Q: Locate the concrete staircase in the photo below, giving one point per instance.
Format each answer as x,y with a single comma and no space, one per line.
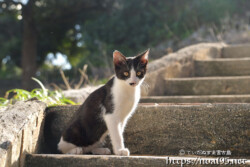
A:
200,121
220,80
157,133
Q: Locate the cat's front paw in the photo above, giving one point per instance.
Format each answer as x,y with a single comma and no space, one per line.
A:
123,152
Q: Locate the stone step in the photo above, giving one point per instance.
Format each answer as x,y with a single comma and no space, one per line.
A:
223,67
43,160
207,86
197,99
165,129
236,51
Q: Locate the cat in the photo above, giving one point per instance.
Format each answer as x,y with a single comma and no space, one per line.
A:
107,110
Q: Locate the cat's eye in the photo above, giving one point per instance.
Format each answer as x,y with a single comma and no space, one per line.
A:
125,74
138,73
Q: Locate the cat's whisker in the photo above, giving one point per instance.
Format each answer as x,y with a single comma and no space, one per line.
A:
145,86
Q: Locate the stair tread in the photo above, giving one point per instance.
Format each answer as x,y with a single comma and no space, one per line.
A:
87,156
235,51
207,86
200,96
222,67
111,160
210,78
225,59
197,99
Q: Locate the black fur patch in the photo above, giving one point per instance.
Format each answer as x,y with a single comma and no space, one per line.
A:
87,125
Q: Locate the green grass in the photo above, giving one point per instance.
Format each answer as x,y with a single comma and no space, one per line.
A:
51,98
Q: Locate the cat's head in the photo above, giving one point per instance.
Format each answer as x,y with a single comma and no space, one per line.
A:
132,70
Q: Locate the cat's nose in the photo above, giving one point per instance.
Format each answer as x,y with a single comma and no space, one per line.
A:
132,83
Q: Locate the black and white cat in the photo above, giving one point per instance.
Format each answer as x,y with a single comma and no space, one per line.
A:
107,110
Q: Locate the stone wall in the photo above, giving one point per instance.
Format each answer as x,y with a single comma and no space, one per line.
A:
20,134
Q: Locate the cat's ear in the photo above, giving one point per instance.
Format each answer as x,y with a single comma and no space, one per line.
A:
118,58
144,57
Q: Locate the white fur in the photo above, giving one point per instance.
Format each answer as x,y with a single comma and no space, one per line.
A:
69,148
65,147
125,99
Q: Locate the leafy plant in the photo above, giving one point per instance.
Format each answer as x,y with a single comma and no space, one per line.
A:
52,98
3,101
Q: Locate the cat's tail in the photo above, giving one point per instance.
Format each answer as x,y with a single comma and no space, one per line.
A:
51,138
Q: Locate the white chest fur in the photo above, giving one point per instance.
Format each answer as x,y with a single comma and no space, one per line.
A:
125,98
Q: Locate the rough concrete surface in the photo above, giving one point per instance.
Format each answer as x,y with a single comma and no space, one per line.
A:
2,109
236,51
165,129
20,132
207,86
80,95
222,67
197,99
114,161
